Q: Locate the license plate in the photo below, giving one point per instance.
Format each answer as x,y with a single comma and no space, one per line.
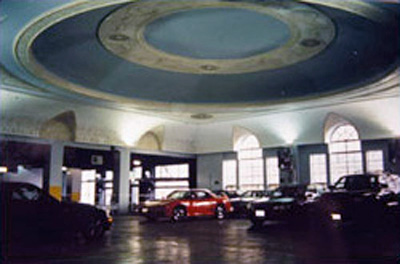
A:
145,210
260,213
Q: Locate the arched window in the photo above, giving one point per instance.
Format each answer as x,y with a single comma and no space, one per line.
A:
250,163
344,152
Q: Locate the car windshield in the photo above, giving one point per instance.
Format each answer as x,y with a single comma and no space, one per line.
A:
255,194
232,194
247,194
356,182
288,192
178,195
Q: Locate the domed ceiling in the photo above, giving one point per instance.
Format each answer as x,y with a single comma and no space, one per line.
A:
199,56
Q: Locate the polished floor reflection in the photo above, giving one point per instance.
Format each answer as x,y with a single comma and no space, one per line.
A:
134,240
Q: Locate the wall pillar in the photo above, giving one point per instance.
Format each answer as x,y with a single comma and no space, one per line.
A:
56,163
123,180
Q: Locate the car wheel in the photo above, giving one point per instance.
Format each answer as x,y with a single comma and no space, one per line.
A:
220,212
178,214
94,229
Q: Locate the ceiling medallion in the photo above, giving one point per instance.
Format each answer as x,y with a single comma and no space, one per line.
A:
122,33
118,37
209,67
201,116
310,42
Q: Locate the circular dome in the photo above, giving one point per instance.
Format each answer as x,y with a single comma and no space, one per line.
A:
216,37
120,53
217,33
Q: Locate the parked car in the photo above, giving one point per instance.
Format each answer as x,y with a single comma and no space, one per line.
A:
354,199
181,204
289,204
241,203
30,214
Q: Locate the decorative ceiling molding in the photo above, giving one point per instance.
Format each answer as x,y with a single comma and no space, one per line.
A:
387,87
122,33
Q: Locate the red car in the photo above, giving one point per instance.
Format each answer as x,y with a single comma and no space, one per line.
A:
181,204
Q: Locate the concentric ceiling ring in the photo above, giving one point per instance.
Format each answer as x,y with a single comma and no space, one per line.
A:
122,33
84,67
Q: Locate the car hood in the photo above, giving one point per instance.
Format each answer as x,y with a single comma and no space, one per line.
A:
156,203
275,200
74,206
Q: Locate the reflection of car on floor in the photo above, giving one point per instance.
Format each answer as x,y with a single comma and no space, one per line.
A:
355,199
240,203
187,203
285,204
29,213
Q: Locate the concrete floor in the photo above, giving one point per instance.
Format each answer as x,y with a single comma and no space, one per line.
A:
134,240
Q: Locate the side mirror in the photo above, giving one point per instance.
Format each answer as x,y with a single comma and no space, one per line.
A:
331,187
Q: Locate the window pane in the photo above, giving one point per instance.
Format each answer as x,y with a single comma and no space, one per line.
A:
173,171
345,152
353,146
272,169
229,179
250,164
318,172
374,159
248,142
251,174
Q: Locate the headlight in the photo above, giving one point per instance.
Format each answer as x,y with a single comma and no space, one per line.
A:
336,217
259,213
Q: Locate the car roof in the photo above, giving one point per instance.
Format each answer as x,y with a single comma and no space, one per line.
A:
191,190
14,183
360,175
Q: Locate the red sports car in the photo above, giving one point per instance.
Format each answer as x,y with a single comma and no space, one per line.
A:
181,204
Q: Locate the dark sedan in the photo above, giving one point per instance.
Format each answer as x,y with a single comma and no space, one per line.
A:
356,200
241,202
285,204
28,214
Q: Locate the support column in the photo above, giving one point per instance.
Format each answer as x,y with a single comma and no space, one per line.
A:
123,181
56,163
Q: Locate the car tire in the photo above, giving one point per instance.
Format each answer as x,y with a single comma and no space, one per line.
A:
178,214
94,229
220,212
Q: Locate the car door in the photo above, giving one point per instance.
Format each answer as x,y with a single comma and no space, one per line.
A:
31,214
204,203
23,217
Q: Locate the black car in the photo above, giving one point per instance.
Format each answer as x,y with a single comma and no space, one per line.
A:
354,199
241,202
229,194
30,214
285,204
